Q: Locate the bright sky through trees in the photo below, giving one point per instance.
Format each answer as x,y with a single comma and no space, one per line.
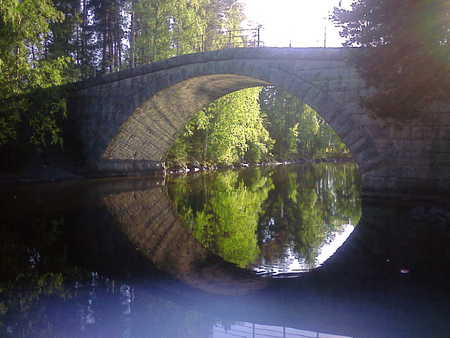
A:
299,22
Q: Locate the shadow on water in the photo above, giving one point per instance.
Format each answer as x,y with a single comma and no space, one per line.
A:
114,259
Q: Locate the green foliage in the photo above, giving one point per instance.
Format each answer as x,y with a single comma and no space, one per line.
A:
237,123
221,16
25,108
407,52
233,129
283,113
227,221
307,208
299,207
162,29
228,131
297,129
45,43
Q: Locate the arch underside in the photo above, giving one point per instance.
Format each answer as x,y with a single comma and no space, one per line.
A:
152,128
158,112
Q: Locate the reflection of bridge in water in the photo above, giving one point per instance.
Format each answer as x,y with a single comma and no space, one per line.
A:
149,220
150,223
360,289
389,279
252,330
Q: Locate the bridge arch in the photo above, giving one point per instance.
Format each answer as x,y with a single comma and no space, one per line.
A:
132,117
126,121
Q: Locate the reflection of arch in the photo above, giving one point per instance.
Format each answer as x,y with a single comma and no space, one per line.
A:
376,285
150,223
149,220
130,118
356,293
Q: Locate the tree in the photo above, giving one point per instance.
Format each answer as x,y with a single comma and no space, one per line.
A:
229,130
109,24
283,112
27,70
297,129
406,55
237,124
221,16
160,29
47,43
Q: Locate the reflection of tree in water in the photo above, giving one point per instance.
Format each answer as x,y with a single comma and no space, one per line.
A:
44,294
33,266
261,212
226,222
309,205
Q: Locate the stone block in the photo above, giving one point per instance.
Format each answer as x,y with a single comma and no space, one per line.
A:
418,133
444,133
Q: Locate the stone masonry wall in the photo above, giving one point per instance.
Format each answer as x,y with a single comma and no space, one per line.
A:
128,120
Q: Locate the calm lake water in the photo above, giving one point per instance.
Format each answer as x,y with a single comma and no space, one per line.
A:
287,251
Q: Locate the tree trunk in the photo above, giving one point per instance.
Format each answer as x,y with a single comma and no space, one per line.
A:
132,36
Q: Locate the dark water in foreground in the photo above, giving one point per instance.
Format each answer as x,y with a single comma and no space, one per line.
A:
250,253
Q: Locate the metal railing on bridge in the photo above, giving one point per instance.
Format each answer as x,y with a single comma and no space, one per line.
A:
236,38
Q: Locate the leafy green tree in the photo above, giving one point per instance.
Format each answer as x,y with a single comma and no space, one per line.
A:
228,131
283,113
151,41
160,29
221,16
237,124
298,131
28,113
406,56
187,26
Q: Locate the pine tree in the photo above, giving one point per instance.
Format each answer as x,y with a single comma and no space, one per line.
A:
406,56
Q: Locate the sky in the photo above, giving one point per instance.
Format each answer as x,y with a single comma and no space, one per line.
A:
299,23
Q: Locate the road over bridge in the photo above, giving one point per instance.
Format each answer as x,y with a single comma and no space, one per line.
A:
127,121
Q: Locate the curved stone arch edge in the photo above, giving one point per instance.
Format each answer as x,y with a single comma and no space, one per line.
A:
289,84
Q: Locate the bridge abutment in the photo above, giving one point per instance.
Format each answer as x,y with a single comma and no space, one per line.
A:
420,160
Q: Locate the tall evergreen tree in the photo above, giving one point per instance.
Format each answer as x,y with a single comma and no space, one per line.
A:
407,52
109,25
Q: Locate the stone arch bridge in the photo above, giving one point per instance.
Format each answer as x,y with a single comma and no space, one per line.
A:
127,121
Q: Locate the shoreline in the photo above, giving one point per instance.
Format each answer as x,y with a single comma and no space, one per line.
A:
52,174
195,169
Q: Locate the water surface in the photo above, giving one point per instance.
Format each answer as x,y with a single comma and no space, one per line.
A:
201,257
276,220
